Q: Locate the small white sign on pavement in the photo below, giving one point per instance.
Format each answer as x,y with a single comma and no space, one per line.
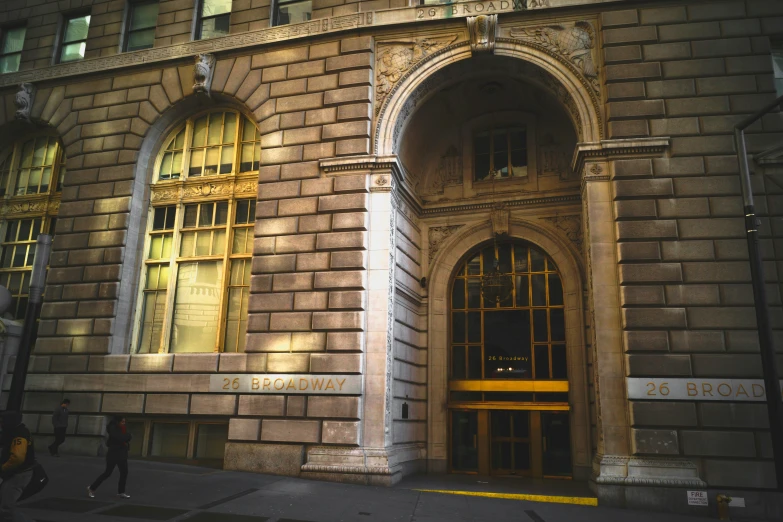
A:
697,498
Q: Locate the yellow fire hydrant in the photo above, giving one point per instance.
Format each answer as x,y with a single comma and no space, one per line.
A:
723,507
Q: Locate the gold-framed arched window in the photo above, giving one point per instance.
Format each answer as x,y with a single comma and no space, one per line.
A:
195,282
523,336
31,176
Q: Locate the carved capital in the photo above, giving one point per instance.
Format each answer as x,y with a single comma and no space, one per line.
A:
203,70
482,33
24,101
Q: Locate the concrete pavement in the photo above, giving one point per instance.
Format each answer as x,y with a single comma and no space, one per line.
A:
175,492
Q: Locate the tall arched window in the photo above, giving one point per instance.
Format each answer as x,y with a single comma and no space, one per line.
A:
195,281
31,175
508,374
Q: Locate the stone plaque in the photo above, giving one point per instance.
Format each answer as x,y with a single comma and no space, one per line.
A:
286,383
695,389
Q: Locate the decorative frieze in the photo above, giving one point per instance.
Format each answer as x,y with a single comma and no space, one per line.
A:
437,236
198,189
571,226
396,58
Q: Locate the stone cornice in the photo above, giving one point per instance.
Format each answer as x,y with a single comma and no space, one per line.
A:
546,200
608,149
261,37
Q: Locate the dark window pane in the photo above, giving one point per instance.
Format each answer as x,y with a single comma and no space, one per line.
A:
464,433
557,324
458,362
504,258
474,265
520,259
458,327
542,362
191,213
465,396
522,291
205,216
501,423
144,16
242,212
482,167
539,289
474,362
507,344
521,456
536,260
500,153
294,13
221,218
521,424
159,219
552,397
559,365
508,397
519,158
474,292
539,326
458,294
555,290
171,214
474,327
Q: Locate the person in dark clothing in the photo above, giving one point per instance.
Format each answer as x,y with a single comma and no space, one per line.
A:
60,424
116,455
16,465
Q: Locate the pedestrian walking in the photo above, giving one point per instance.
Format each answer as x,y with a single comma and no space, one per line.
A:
60,424
16,465
116,455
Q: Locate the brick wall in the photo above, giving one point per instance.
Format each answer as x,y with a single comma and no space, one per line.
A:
693,72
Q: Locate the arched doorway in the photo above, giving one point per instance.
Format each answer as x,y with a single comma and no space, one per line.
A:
508,372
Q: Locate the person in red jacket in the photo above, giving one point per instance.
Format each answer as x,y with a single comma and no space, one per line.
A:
116,455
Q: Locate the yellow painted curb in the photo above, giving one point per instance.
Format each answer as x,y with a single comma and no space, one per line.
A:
582,501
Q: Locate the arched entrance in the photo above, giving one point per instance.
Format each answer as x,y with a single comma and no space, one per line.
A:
508,371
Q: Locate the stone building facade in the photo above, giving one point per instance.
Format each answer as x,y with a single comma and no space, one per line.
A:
275,246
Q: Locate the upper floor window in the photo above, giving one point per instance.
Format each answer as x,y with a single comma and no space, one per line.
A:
292,11
500,154
213,19
196,279
74,38
11,48
777,66
31,172
142,19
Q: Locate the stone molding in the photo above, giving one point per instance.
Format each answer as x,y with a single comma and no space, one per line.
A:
199,188
361,461
646,471
250,39
611,149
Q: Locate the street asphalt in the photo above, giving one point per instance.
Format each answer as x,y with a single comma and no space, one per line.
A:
175,492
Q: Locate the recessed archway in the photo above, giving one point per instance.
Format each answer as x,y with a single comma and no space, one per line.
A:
451,255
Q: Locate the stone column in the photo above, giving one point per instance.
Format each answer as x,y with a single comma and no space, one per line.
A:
371,462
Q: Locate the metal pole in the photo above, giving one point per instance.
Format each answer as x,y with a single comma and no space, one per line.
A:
766,341
37,280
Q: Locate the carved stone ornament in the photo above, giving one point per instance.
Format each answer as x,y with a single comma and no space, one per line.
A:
208,189
571,226
203,70
24,101
499,217
449,171
574,42
438,235
396,58
482,33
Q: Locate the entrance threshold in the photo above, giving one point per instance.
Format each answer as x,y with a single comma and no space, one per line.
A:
509,488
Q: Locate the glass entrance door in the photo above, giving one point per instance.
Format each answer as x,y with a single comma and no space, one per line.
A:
464,441
510,446
556,444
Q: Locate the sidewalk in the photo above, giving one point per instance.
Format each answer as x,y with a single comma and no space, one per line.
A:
173,492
